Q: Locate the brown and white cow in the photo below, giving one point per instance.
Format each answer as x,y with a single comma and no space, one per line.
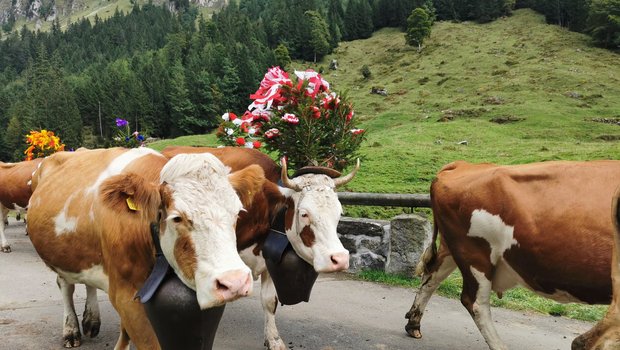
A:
545,226
89,220
14,191
311,218
605,335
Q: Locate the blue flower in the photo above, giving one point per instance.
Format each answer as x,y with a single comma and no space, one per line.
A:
140,138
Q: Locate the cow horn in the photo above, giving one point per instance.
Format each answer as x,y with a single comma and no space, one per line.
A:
345,179
286,182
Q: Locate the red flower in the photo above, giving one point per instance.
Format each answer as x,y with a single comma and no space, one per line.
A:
256,144
316,112
240,141
350,115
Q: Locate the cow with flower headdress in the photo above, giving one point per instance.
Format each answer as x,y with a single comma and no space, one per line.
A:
306,205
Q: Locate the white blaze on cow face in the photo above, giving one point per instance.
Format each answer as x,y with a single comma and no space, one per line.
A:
312,229
198,232
493,229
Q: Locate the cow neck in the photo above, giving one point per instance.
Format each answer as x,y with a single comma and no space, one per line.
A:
160,269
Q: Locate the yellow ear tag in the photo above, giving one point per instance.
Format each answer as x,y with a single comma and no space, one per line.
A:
131,204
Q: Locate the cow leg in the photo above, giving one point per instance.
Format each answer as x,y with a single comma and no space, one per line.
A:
91,319
134,321
269,300
123,340
4,244
71,329
476,297
440,269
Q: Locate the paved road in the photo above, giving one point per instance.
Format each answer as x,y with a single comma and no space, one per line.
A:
342,314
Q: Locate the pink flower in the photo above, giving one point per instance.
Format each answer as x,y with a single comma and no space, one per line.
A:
290,118
240,141
271,133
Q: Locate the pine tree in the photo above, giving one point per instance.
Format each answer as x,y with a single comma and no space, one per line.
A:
318,35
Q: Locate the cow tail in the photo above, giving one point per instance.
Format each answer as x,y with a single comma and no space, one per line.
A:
429,255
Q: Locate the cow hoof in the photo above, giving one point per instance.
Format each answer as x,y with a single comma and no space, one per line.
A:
6,248
73,341
91,327
275,344
413,331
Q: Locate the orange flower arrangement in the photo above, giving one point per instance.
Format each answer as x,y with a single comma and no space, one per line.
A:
42,144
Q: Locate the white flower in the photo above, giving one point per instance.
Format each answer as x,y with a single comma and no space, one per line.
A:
249,145
252,131
225,116
229,131
238,121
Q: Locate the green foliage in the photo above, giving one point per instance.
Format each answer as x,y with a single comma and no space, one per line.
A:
319,34
604,23
366,73
283,59
418,27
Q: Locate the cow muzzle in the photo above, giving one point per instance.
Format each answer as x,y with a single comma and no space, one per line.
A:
333,263
225,287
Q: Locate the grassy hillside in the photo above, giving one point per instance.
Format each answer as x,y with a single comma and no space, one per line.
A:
467,74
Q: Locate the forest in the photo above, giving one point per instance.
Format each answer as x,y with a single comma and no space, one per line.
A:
173,73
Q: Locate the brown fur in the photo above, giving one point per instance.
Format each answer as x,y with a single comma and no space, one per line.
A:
307,236
14,186
605,335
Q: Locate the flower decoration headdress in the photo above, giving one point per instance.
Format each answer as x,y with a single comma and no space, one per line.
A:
42,144
302,120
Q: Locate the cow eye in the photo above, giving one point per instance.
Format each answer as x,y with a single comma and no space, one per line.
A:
177,219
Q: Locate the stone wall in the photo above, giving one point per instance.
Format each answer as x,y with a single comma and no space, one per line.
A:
393,246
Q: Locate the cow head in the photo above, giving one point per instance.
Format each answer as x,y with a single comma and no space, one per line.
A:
312,218
199,202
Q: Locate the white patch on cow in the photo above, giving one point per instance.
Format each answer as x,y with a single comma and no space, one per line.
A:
482,312
202,192
493,229
318,202
64,223
256,263
94,276
118,164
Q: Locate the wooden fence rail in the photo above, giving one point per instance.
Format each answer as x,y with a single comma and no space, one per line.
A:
385,199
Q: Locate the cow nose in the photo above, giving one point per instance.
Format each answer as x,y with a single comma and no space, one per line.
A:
233,284
340,261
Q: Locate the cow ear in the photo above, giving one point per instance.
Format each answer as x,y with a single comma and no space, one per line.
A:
247,182
131,193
